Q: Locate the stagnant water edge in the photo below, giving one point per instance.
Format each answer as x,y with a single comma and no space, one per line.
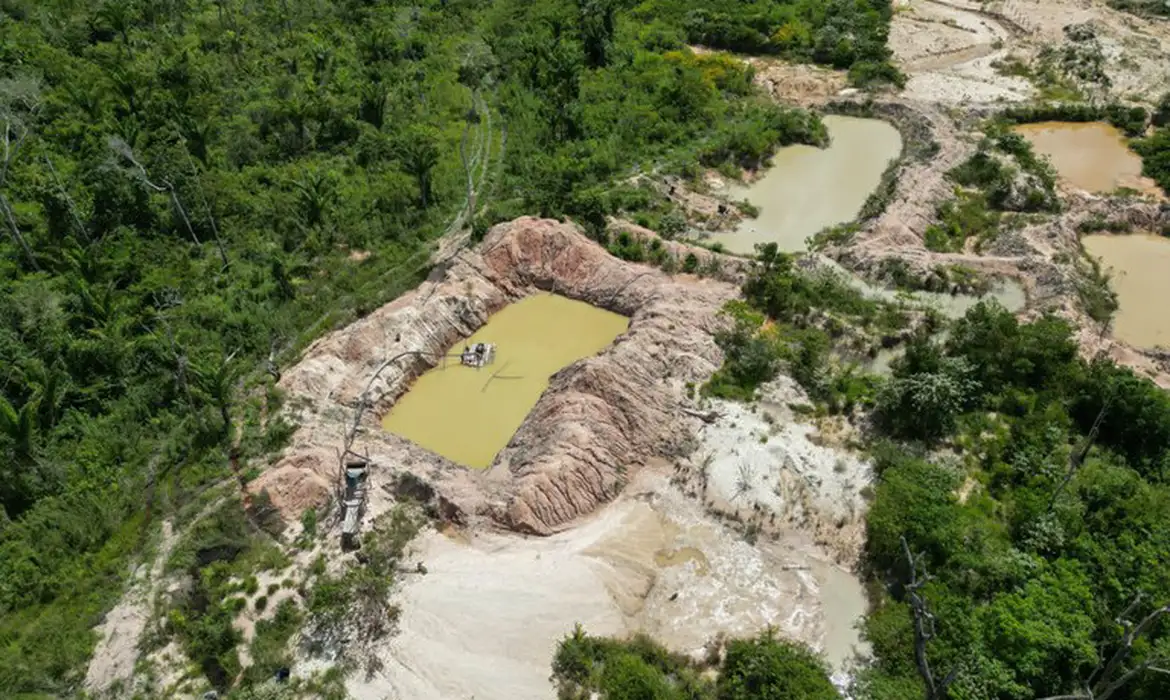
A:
1139,268
806,189
1093,156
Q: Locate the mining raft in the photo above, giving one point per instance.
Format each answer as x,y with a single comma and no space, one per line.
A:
478,355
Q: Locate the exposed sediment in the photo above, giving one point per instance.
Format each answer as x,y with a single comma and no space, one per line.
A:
599,420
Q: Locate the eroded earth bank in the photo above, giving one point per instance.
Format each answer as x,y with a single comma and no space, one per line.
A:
635,489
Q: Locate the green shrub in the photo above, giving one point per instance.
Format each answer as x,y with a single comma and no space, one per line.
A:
1155,153
767,667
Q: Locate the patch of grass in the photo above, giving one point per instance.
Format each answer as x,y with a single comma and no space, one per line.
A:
355,603
1096,296
1098,223
966,216
840,235
269,649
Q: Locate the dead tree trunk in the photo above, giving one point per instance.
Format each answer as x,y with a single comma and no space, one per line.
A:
923,629
1111,676
14,231
78,227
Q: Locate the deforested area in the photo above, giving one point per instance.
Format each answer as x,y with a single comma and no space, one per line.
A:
584,349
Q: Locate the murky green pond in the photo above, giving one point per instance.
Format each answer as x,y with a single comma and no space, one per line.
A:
807,189
468,414
1092,155
1140,269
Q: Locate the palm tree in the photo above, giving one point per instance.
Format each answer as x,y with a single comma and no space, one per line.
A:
20,426
419,153
217,382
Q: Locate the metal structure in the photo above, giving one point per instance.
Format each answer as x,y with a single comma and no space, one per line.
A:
354,500
478,355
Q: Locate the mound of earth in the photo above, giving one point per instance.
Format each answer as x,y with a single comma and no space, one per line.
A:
599,420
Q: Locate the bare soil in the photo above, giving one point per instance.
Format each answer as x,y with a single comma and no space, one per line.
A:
599,421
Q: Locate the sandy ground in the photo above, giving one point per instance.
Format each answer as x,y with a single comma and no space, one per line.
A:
117,651
485,620
756,460
948,47
947,51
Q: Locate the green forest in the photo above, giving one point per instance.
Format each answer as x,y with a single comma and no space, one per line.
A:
192,190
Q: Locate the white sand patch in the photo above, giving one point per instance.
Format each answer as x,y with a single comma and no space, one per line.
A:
119,633
485,620
762,459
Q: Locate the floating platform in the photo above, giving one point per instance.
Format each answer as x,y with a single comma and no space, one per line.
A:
478,355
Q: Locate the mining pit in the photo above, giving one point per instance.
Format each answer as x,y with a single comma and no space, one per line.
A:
630,484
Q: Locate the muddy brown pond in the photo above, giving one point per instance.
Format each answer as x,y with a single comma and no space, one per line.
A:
1139,266
807,189
1092,155
467,414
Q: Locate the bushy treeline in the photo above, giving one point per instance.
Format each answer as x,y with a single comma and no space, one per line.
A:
1041,540
845,34
641,669
1155,153
1130,119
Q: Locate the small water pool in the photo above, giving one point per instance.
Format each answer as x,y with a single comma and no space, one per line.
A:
807,189
468,414
1139,265
1091,155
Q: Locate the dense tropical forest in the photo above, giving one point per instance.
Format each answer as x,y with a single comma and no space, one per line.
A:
191,190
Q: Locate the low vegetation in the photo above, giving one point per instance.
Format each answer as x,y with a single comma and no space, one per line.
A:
219,556
1003,175
640,669
349,610
1144,8
793,319
1021,550
1155,153
966,216
1094,291
1130,119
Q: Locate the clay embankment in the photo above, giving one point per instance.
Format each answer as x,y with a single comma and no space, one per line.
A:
597,423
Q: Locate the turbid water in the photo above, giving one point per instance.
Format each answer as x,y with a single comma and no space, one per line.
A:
468,415
1092,155
807,189
1140,269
